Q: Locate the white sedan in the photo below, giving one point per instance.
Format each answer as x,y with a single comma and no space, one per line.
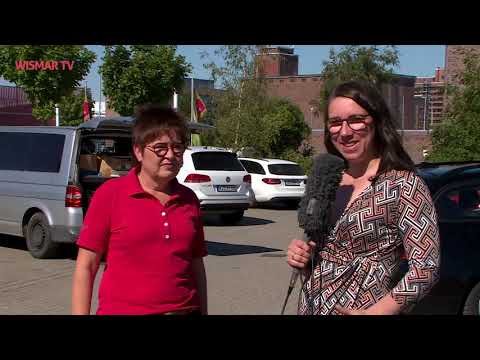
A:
275,180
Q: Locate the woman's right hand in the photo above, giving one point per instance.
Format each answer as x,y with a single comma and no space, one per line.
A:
299,253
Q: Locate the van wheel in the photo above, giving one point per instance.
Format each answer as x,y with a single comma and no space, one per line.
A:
472,305
233,218
39,237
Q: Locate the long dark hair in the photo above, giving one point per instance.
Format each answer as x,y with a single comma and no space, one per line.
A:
387,141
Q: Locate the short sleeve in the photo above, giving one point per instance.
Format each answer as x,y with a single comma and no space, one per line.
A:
199,244
417,225
95,232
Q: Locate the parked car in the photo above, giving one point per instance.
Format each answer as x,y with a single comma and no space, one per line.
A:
455,190
49,174
275,180
218,179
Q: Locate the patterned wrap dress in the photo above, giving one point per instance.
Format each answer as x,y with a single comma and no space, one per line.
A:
360,260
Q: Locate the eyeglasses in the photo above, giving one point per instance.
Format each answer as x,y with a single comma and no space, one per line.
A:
354,122
161,149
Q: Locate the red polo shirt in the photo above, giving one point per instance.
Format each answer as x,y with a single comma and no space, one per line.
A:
149,247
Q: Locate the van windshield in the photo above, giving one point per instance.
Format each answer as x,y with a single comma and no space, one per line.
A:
216,161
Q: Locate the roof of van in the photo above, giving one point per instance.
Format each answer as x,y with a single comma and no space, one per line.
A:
40,128
129,120
115,122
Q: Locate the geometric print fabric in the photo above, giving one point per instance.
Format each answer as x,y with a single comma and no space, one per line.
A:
359,262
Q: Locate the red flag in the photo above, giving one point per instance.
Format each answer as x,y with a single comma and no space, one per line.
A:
200,106
86,109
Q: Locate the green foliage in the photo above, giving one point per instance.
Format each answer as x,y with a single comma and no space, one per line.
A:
245,117
284,127
71,108
45,88
140,74
456,138
353,62
305,160
240,103
184,104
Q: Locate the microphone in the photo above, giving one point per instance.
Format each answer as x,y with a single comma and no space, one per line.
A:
315,207
305,238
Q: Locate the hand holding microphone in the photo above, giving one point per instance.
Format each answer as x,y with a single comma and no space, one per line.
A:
299,253
313,214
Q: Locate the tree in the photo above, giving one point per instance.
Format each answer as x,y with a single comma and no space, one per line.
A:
71,108
185,104
45,88
242,100
285,127
353,62
249,120
456,138
139,74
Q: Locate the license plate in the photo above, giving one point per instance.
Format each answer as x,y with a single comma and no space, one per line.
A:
292,182
227,188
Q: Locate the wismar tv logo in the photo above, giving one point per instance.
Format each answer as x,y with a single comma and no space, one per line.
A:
42,65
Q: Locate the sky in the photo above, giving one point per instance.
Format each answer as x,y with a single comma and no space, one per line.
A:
416,60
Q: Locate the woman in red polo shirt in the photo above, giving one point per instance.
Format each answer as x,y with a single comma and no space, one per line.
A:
150,229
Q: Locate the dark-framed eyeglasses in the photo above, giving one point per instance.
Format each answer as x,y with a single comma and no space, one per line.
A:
354,122
161,149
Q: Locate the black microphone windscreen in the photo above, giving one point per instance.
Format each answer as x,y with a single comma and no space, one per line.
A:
322,185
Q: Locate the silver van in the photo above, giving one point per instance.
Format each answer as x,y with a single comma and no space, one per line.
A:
48,175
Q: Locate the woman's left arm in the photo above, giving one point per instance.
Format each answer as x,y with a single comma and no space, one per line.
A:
417,224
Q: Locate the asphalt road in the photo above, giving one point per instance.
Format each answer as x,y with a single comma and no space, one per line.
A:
246,269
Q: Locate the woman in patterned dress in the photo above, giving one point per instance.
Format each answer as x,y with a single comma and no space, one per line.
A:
382,212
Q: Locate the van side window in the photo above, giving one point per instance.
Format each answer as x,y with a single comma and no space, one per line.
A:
12,151
31,152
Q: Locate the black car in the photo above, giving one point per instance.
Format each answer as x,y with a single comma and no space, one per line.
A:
455,190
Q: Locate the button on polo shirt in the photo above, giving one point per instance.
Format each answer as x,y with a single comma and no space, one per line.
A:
149,247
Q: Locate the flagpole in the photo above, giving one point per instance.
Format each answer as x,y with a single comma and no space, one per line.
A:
100,96
191,98
193,114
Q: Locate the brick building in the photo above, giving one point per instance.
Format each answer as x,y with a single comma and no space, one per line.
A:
430,92
430,100
454,61
279,68
15,108
399,95
302,90
276,61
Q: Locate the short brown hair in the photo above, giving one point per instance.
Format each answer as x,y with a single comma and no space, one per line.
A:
152,120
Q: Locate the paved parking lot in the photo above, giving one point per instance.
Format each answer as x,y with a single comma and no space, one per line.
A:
246,269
